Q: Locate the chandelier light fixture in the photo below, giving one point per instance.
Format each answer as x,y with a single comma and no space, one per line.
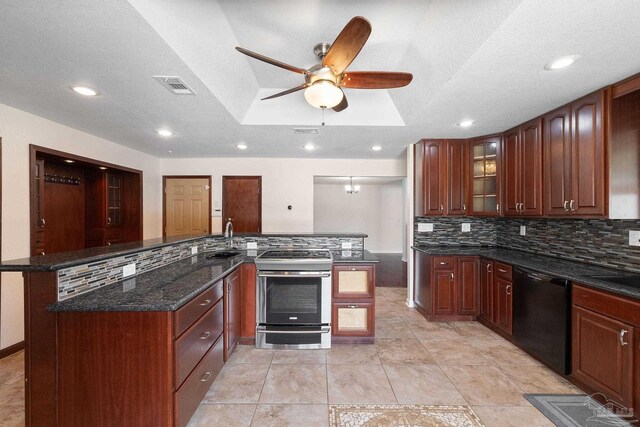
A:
350,188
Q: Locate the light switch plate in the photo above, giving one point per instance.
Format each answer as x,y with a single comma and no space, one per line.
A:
194,250
129,270
523,230
634,237
346,245
466,227
425,227
252,245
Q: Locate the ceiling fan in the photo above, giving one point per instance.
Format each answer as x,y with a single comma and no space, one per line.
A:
324,82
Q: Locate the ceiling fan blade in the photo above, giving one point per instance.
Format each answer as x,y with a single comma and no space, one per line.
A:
271,61
287,92
375,79
347,45
343,104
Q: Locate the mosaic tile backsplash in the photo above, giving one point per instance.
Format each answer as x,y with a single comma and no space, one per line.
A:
595,241
447,232
80,279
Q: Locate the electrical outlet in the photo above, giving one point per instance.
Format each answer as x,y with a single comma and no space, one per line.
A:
466,227
252,245
129,270
523,230
634,238
194,250
346,245
425,227
252,253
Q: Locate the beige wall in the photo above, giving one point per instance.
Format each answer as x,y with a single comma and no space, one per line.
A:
284,182
18,129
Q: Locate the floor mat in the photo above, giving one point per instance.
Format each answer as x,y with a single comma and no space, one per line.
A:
402,415
579,410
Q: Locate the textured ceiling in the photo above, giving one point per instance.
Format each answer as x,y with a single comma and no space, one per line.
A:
481,60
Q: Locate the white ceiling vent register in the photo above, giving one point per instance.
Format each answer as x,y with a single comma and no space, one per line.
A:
175,85
305,131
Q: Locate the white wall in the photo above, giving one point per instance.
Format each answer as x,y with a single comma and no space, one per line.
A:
18,129
284,182
377,209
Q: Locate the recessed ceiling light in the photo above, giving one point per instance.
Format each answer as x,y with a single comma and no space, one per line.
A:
242,146
309,147
465,123
69,161
102,168
560,63
376,148
169,151
85,90
164,132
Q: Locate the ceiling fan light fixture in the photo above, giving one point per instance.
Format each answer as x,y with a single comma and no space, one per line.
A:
323,94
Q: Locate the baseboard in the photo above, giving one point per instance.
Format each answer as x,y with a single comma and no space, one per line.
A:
12,349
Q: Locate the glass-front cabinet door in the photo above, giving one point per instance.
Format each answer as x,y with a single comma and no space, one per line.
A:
484,155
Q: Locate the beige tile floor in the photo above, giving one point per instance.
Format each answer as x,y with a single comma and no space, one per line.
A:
412,362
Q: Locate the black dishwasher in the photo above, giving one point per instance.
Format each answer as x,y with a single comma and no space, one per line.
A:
542,317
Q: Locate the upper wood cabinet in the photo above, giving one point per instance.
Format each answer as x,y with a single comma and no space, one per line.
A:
440,177
484,175
523,169
575,158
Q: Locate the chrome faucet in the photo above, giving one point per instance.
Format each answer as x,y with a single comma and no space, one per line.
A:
228,231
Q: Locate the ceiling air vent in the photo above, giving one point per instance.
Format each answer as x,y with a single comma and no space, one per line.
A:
305,131
175,84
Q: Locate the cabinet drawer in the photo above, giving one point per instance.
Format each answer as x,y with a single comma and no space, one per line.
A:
188,397
353,281
503,271
353,319
442,262
195,342
191,311
614,306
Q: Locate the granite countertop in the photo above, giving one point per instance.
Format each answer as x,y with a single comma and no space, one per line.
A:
345,256
58,261
574,271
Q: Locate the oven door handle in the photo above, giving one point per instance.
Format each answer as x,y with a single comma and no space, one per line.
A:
294,274
265,331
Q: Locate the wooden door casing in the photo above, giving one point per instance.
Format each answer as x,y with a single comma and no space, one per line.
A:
187,205
242,203
598,357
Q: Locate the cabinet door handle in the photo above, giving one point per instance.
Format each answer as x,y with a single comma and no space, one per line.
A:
507,290
205,302
352,306
42,222
443,263
518,207
566,205
622,334
205,335
441,208
501,270
109,220
498,207
452,277
206,377
464,206
229,287
488,268
572,205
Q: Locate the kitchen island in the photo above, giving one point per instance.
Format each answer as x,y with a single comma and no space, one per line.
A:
87,288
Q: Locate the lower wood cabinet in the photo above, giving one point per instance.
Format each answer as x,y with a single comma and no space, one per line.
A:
145,368
446,287
231,312
502,304
486,289
353,303
605,336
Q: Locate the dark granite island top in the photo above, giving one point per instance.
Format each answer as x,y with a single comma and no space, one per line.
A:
576,272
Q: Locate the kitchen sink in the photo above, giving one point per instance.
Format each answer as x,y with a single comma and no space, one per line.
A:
222,254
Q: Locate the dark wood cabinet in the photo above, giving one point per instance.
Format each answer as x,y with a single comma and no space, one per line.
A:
502,308
440,177
104,209
605,352
467,286
484,183
446,287
486,289
113,200
522,181
575,158
231,312
37,217
353,303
